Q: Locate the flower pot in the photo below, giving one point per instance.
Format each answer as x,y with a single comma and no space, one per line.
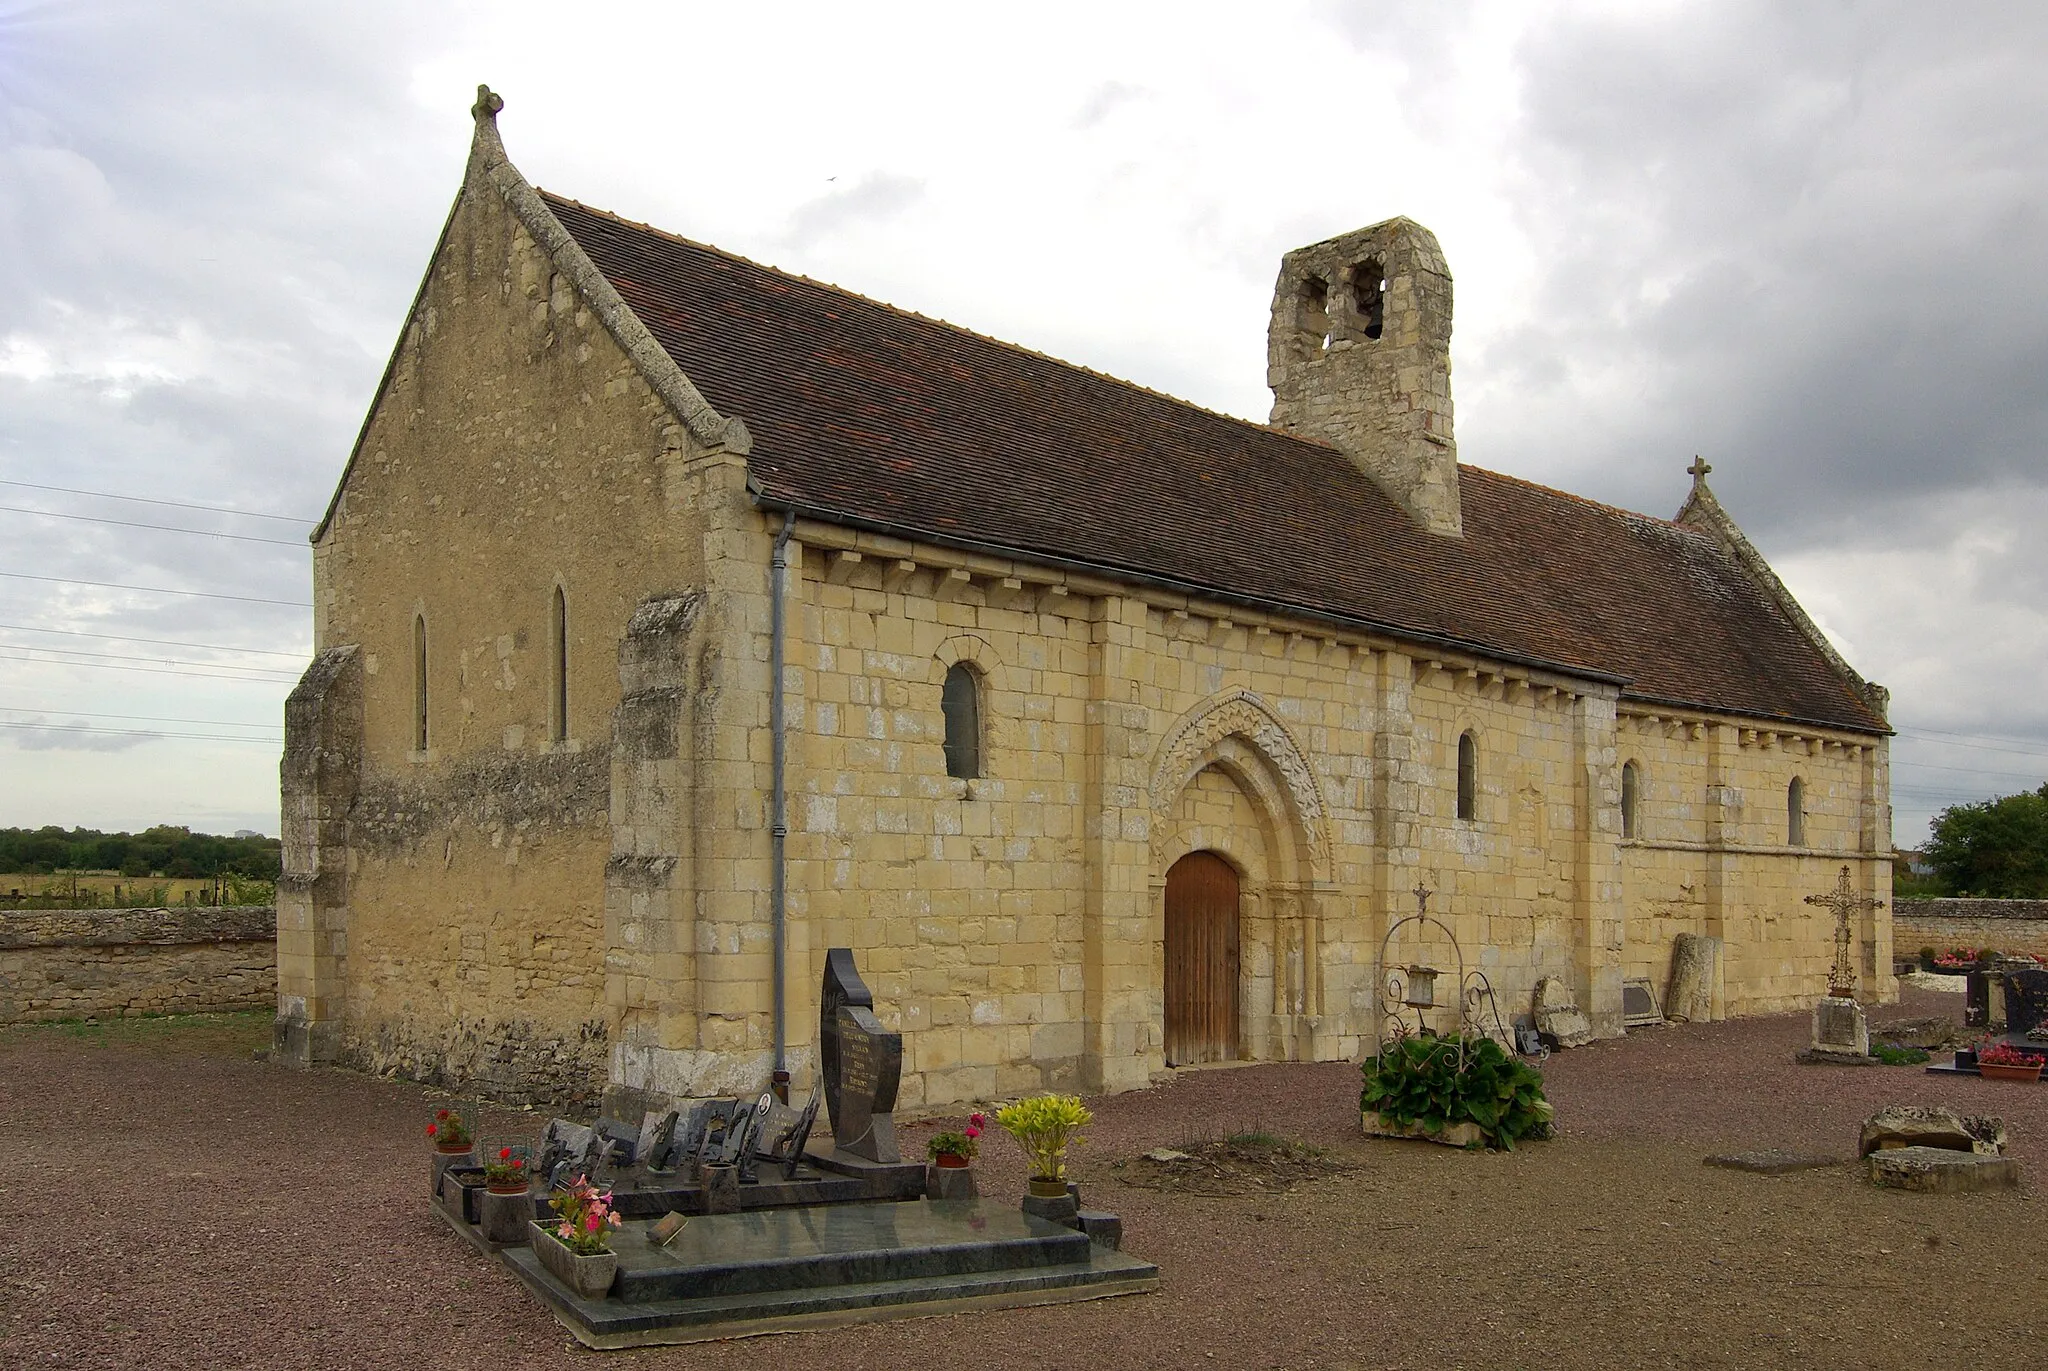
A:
949,1160
1048,1187
1992,1071
589,1277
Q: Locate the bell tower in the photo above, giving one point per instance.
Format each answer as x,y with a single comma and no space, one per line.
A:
1359,356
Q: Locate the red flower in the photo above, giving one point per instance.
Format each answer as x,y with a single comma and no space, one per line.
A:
431,1130
440,1113
503,1153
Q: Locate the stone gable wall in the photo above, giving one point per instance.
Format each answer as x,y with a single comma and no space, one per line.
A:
112,963
514,449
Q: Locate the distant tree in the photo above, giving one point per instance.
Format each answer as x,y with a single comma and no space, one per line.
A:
1997,849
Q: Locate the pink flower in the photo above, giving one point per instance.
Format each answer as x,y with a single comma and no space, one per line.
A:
591,1223
564,1231
979,1121
615,1220
973,1132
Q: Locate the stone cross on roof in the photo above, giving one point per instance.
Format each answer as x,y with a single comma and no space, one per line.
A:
1844,901
1698,470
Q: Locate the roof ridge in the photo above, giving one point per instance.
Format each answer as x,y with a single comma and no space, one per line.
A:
1003,343
1580,499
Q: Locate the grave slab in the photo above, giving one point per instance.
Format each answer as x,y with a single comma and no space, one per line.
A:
1773,1161
1938,1170
731,1275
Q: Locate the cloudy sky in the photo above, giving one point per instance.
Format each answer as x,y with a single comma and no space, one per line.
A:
1809,241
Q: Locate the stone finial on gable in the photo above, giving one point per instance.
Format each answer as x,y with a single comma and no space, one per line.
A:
486,149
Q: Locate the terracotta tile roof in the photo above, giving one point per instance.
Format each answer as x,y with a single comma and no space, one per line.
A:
879,417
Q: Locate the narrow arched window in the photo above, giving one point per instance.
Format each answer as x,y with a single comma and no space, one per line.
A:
1795,813
960,700
1631,791
1468,776
419,683
558,635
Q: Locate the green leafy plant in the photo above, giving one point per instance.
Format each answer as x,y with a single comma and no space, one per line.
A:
1421,1081
1898,1054
1045,1126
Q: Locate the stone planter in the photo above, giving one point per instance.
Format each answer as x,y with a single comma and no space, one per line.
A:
1048,1187
589,1277
1992,1071
445,1157
1454,1134
504,1214
460,1187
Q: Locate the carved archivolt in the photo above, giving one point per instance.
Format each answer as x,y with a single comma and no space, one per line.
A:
1243,717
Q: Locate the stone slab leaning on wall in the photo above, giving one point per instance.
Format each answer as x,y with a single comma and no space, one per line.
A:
65,964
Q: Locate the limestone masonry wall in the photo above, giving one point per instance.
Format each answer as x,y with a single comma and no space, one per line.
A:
2002,925
64,964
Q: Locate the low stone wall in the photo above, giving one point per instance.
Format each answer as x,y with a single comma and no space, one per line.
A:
2002,925
107,963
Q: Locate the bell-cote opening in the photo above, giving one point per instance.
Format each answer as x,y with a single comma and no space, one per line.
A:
1369,297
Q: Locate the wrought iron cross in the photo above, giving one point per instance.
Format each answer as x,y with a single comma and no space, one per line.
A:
1422,894
1844,901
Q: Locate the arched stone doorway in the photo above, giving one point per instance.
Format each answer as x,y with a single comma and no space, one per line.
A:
1201,960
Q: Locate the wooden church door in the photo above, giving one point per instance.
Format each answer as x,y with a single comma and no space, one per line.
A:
1201,960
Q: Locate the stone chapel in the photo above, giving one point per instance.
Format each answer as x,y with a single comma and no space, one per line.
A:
678,619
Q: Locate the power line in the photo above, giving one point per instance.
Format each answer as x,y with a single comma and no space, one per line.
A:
160,528
1967,770
160,642
157,590
174,504
2031,750
279,672
152,671
134,733
144,718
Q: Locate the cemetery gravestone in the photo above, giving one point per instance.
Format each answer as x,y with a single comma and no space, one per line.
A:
1639,1003
1558,1015
2026,1000
1840,1031
660,1133
862,1063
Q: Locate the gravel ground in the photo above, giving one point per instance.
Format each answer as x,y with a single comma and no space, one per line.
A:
208,1210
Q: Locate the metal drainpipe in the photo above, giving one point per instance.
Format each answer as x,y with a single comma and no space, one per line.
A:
778,826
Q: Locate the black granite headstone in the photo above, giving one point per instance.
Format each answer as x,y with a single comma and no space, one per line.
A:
660,1142
1976,998
624,1137
862,1063
2026,999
